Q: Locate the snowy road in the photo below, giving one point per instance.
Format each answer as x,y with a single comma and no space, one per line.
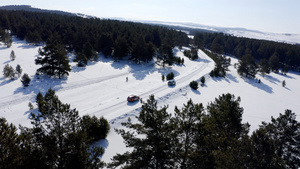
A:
99,89
121,106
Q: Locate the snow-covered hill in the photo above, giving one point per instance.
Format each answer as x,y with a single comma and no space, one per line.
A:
101,89
239,32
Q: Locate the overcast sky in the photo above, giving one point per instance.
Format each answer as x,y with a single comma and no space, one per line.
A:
278,16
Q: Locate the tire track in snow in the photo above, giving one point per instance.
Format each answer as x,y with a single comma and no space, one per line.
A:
114,110
15,99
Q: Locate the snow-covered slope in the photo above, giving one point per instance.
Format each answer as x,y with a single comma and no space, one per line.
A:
239,32
101,89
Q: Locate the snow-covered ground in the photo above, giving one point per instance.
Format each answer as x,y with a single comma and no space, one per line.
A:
101,89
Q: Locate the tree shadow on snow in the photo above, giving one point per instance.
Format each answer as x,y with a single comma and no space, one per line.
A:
140,71
41,83
6,62
260,85
288,76
219,79
232,78
5,81
196,91
118,64
34,111
272,79
166,70
76,68
102,143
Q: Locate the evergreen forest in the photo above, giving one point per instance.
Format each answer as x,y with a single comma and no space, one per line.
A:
58,138
278,55
117,39
208,137
191,137
89,36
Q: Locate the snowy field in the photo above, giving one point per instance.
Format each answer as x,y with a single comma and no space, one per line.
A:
101,89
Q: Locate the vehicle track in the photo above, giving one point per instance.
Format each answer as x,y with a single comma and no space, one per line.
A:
17,99
183,81
117,109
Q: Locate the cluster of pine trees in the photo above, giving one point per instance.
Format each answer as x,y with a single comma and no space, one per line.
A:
10,72
211,137
89,36
191,54
58,138
221,64
278,55
5,37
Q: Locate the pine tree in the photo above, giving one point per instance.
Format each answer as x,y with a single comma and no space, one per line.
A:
283,83
30,105
194,85
247,66
276,144
285,69
216,46
194,53
187,124
202,79
9,146
25,80
225,130
264,67
81,59
58,138
12,55
54,61
9,71
153,150
95,128
89,52
165,55
284,132
274,62
264,151
138,49
6,70
40,101
121,48
7,39
170,76
19,70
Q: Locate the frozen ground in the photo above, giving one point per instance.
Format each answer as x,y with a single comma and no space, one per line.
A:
101,89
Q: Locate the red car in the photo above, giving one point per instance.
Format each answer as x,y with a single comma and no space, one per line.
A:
132,98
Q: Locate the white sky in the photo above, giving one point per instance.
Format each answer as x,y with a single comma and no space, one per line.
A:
276,16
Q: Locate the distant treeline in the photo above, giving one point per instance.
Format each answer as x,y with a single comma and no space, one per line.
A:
86,36
288,54
111,37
